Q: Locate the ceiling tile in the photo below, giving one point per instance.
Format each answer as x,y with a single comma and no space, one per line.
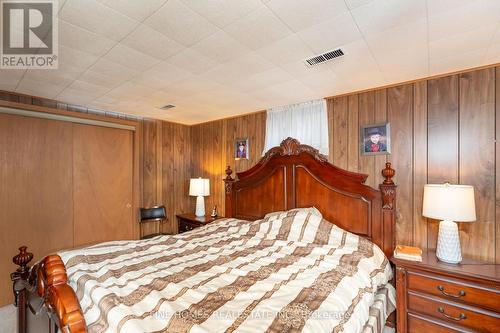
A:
471,40
459,19
456,62
113,70
130,58
241,68
262,80
298,16
384,43
258,29
223,12
399,60
186,31
166,72
289,92
299,68
358,59
138,10
129,90
193,85
151,81
78,97
438,7
288,49
380,15
492,56
95,78
220,47
83,40
60,76
419,71
9,78
151,42
162,97
95,17
356,3
220,58
192,61
39,88
324,83
74,58
330,34
88,88
496,36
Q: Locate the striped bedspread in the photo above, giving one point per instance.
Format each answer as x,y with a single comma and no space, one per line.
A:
289,272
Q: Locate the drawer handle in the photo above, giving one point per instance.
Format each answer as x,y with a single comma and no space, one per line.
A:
461,293
460,317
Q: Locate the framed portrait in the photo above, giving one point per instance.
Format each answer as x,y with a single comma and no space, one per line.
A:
241,149
375,139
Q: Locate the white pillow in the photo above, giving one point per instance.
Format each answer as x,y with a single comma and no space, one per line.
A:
312,210
283,213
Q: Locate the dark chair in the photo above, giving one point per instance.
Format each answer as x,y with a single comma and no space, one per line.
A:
157,214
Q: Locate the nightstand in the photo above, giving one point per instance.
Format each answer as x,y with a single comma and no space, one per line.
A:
187,222
433,296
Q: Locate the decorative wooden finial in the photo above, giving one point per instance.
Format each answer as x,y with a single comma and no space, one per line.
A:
229,172
22,259
388,174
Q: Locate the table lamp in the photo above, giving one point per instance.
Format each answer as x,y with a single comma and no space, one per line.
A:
450,204
199,188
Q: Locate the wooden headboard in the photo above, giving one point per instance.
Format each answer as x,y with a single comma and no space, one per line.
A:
295,175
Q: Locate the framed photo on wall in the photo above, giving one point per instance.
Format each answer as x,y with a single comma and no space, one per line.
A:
375,139
241,149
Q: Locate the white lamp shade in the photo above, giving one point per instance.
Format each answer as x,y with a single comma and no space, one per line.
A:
449,202
199,186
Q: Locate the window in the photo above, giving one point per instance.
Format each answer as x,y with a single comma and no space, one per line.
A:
306,122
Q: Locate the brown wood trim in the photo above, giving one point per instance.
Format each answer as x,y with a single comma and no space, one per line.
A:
292,174
483,273
36,108
401,300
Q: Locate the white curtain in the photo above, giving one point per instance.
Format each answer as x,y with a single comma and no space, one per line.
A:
306,122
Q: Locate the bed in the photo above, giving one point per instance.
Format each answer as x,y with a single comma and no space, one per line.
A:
304,247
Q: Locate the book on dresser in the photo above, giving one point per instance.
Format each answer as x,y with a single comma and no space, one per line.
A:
408,253
433,296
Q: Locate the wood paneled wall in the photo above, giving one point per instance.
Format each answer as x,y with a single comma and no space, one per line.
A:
166,169
443,129
213,148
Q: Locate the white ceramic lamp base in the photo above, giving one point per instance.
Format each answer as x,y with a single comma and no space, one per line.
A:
200,206
448,245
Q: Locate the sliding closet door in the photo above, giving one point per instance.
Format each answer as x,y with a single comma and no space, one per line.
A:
36,192
102,182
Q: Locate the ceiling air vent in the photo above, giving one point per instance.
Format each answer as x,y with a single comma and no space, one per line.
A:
324,57
166,107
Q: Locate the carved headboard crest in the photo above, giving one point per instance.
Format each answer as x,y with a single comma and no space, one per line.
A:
291,146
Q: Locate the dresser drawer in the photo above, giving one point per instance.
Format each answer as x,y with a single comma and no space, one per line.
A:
454,290
419,324
465,316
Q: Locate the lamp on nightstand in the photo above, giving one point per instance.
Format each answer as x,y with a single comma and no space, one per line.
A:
450,204
199,188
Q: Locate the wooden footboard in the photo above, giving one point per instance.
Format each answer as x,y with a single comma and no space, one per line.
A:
45,282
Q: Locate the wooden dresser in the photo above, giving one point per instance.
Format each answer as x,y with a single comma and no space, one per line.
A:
187,222
434,297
